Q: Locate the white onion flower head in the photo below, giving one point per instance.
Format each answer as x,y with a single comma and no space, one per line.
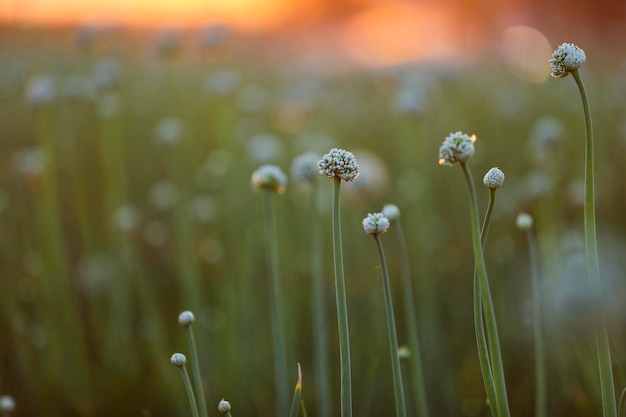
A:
565,59
391,211
186,318
375,223
7,404
339,163
223,406
178,359
304,168
457,147
524,221
494,178
40,90
169,131
269,177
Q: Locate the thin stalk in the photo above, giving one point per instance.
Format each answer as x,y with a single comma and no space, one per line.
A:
479,324
320,338
607,384
196,372
342,308
278,328
487,301
622,404
297,393
189,389
417,369
391,332
541,399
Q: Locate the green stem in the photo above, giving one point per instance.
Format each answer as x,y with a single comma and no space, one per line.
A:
189,389
417,369
297,393
278,329
342,308
320,347
479,325
622,404
541,399
607,384
487,301
196,372
391,332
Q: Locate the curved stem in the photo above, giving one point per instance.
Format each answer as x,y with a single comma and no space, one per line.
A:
490,317
479,325
391,332
342,308
607,384
417,369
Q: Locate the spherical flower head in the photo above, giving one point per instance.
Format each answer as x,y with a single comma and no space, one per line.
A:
457,147
375,223
339,163
178,359
7,404
391,211
304,168
524,221
40,91
494,178
223,406
565,59
269,177
186,318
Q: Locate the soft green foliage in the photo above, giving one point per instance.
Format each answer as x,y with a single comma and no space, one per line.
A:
107,231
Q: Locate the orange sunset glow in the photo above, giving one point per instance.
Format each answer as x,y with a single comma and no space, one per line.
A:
245,14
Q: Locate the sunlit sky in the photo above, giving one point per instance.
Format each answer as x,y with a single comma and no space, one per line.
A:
242,13
386,32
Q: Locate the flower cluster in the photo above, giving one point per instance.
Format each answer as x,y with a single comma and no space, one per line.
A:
339,163
391,211
186,318
178,359
457,147
524,221
304,168
494,178
375,223
565,59
269,177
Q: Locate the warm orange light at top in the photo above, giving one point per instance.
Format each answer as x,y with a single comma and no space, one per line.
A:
244,14
397,32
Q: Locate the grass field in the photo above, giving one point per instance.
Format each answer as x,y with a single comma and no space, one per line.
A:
125,199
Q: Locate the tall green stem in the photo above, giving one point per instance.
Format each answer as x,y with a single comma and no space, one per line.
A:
190,396
607,384
391,332
342,308
479,325
417,369
320,347
487,301
196,372
278,328
541,399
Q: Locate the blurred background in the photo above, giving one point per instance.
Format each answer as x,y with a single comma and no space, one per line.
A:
129,134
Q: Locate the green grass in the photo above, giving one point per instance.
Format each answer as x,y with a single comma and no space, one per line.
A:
86,307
